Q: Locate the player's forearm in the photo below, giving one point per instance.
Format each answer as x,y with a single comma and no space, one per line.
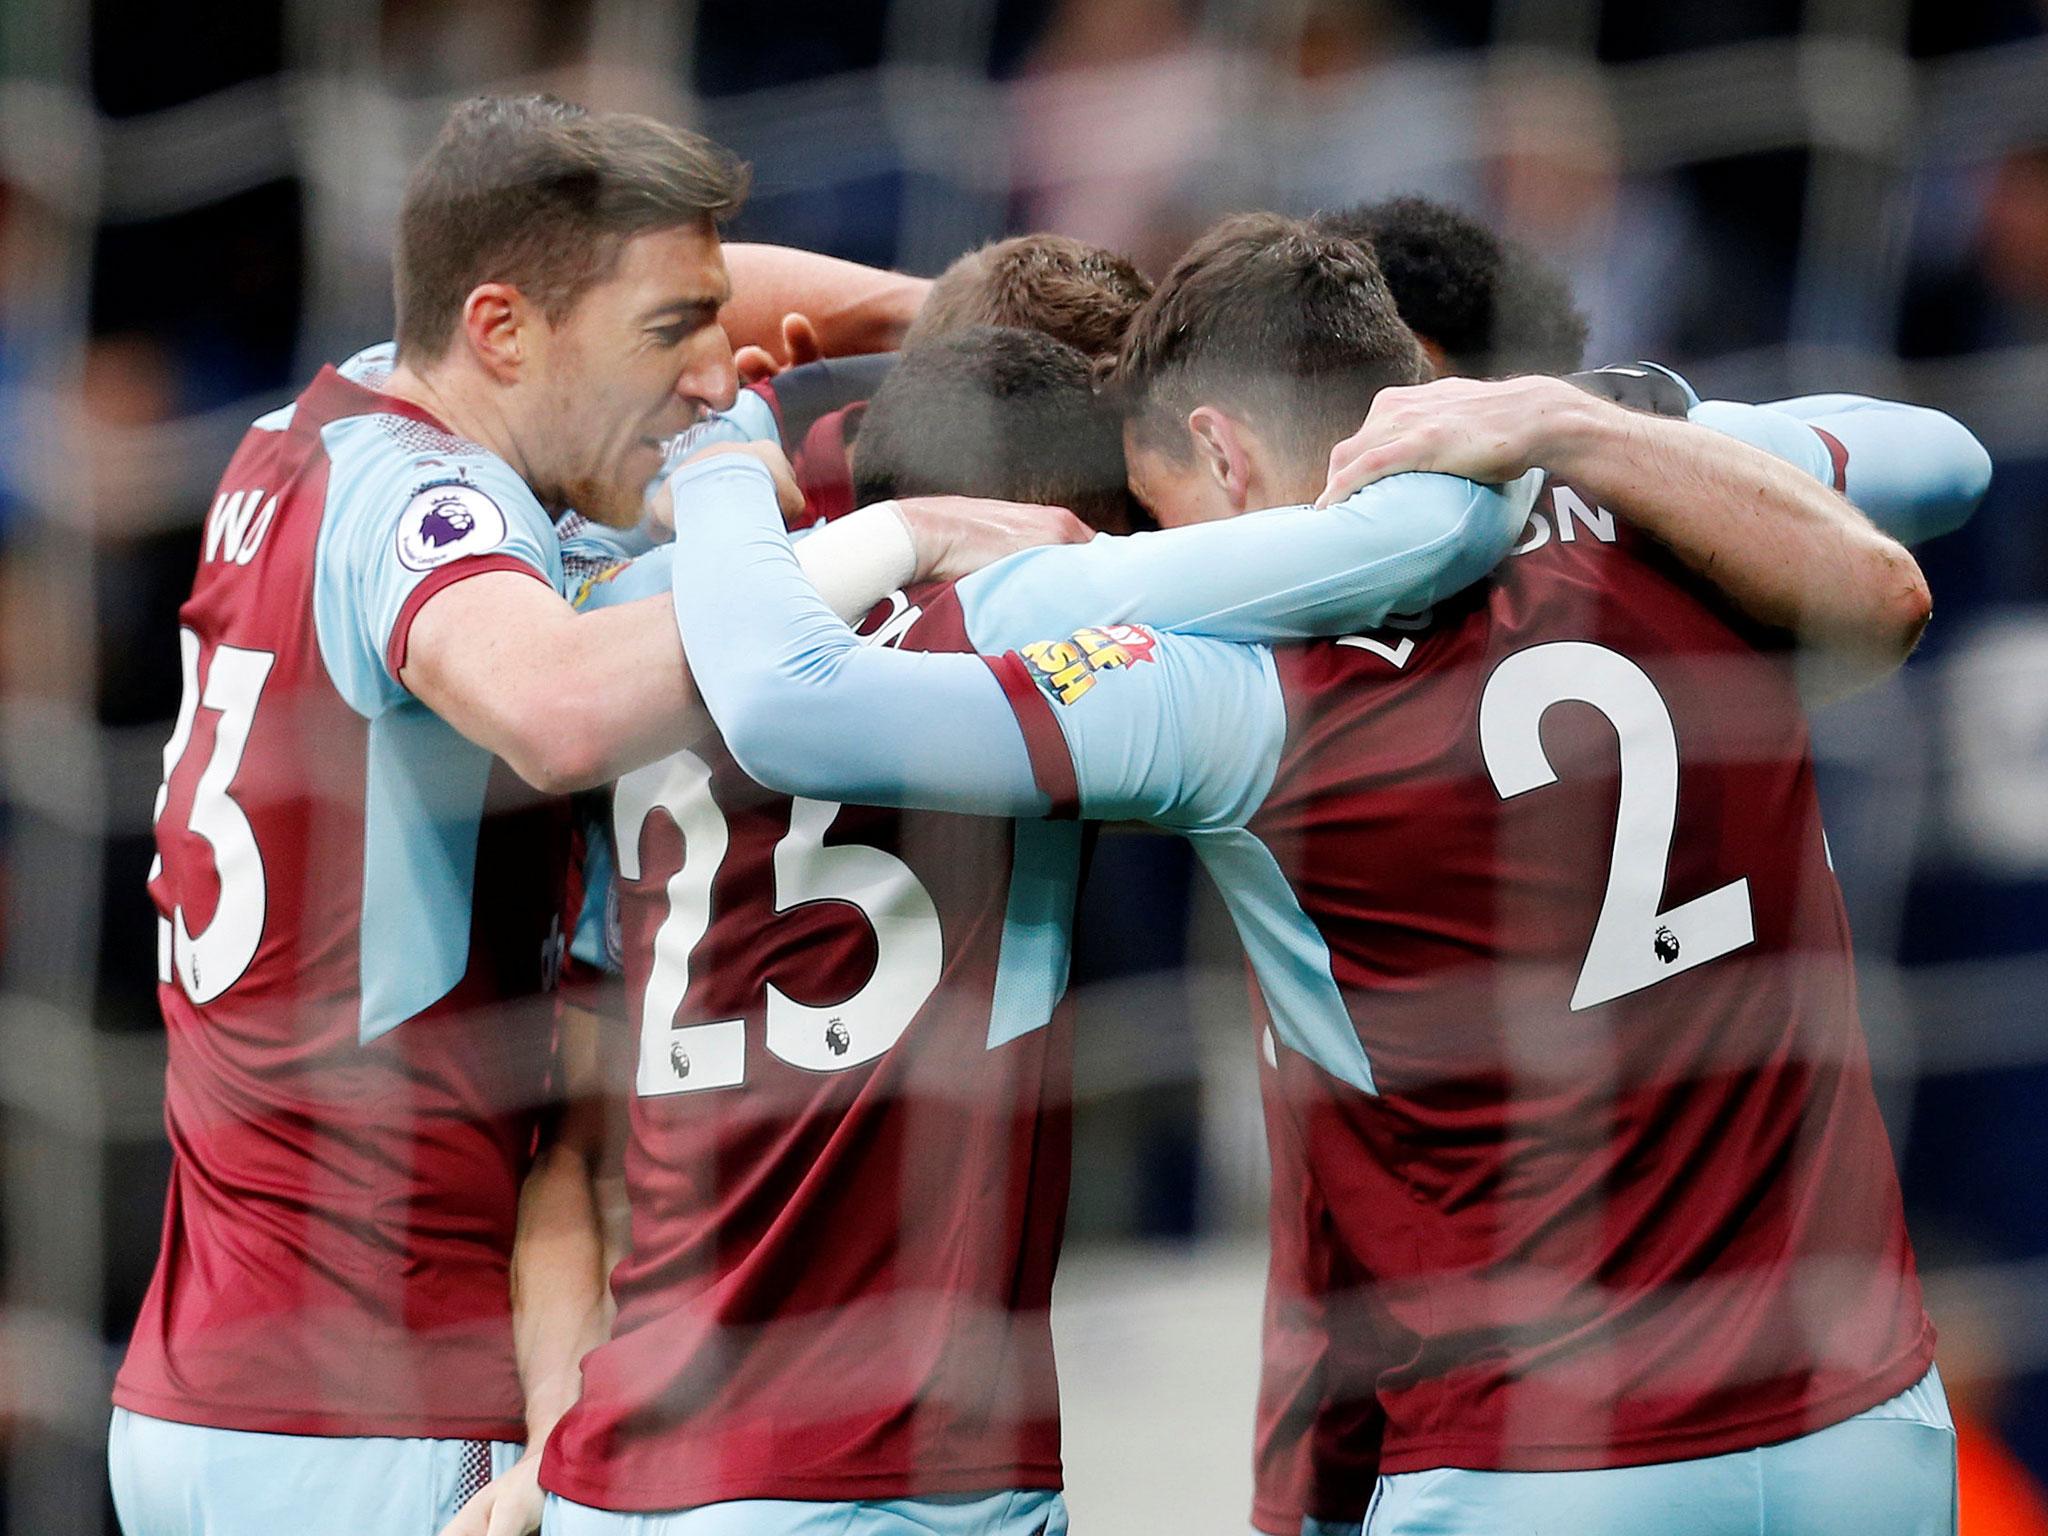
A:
558,1285
853,308
803,706
1396,546
568,701
1780,546
1916,473
618,697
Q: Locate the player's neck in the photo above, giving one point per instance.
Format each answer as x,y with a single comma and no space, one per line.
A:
1281,485
462,406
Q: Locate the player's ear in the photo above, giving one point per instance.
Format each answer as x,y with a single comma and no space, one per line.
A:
1439,360
496,322
1220,452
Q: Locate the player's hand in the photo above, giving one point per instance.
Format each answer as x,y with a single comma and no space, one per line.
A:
958,535
800,344
661,511
508,1505
1486,430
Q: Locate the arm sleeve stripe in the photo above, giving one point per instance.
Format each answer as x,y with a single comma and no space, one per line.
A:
1838,455
1052,764
435,581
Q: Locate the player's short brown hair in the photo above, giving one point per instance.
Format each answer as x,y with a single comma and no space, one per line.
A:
1275,320
544,195
995,411
1074,292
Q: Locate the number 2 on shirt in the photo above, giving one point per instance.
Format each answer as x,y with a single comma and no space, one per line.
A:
1634,945
909,950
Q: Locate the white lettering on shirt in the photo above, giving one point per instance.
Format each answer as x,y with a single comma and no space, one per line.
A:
236,526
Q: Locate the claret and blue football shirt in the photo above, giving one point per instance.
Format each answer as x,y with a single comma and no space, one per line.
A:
356,917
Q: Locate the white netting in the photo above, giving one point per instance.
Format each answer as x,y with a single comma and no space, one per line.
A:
1128,124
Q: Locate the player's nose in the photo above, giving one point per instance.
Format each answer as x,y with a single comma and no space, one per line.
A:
710,379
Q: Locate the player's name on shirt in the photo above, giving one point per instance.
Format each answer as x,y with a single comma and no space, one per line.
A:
236,526
1569,516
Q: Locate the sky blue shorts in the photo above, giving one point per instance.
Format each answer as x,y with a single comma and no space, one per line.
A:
189,1480
1888,1472
1023,1512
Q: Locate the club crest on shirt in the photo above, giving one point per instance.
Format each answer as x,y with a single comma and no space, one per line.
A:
1067,669
448,521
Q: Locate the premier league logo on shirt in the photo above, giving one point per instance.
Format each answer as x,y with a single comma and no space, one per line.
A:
445,522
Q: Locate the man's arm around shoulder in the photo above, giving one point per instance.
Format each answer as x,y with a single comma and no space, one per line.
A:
1783,548
568,700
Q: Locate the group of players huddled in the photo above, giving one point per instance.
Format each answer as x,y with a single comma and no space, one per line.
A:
593,773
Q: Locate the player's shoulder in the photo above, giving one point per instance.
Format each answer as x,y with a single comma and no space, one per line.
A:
1578,558
1184,731
1573,551
376,442
435,508
394,473
1341,680
381,445
924,616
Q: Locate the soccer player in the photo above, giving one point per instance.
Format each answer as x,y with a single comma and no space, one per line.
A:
1539,906
1481,306
355,895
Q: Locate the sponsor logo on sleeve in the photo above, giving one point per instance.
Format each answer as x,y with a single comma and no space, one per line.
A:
597,579
1067,669
449,521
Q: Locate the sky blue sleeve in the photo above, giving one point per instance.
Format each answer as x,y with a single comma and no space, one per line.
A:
1178,730
751,420
1289,573
1912,471
396,526
754,417
804,707
807,709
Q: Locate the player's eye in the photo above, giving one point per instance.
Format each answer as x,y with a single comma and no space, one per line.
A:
670,335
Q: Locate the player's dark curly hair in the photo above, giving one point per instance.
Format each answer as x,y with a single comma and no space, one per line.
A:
1492,306
994,411
1281,321
542,194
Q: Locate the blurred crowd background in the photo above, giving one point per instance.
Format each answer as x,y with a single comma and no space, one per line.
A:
1776,196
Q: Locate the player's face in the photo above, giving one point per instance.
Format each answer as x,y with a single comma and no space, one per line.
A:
640,357
1175,492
